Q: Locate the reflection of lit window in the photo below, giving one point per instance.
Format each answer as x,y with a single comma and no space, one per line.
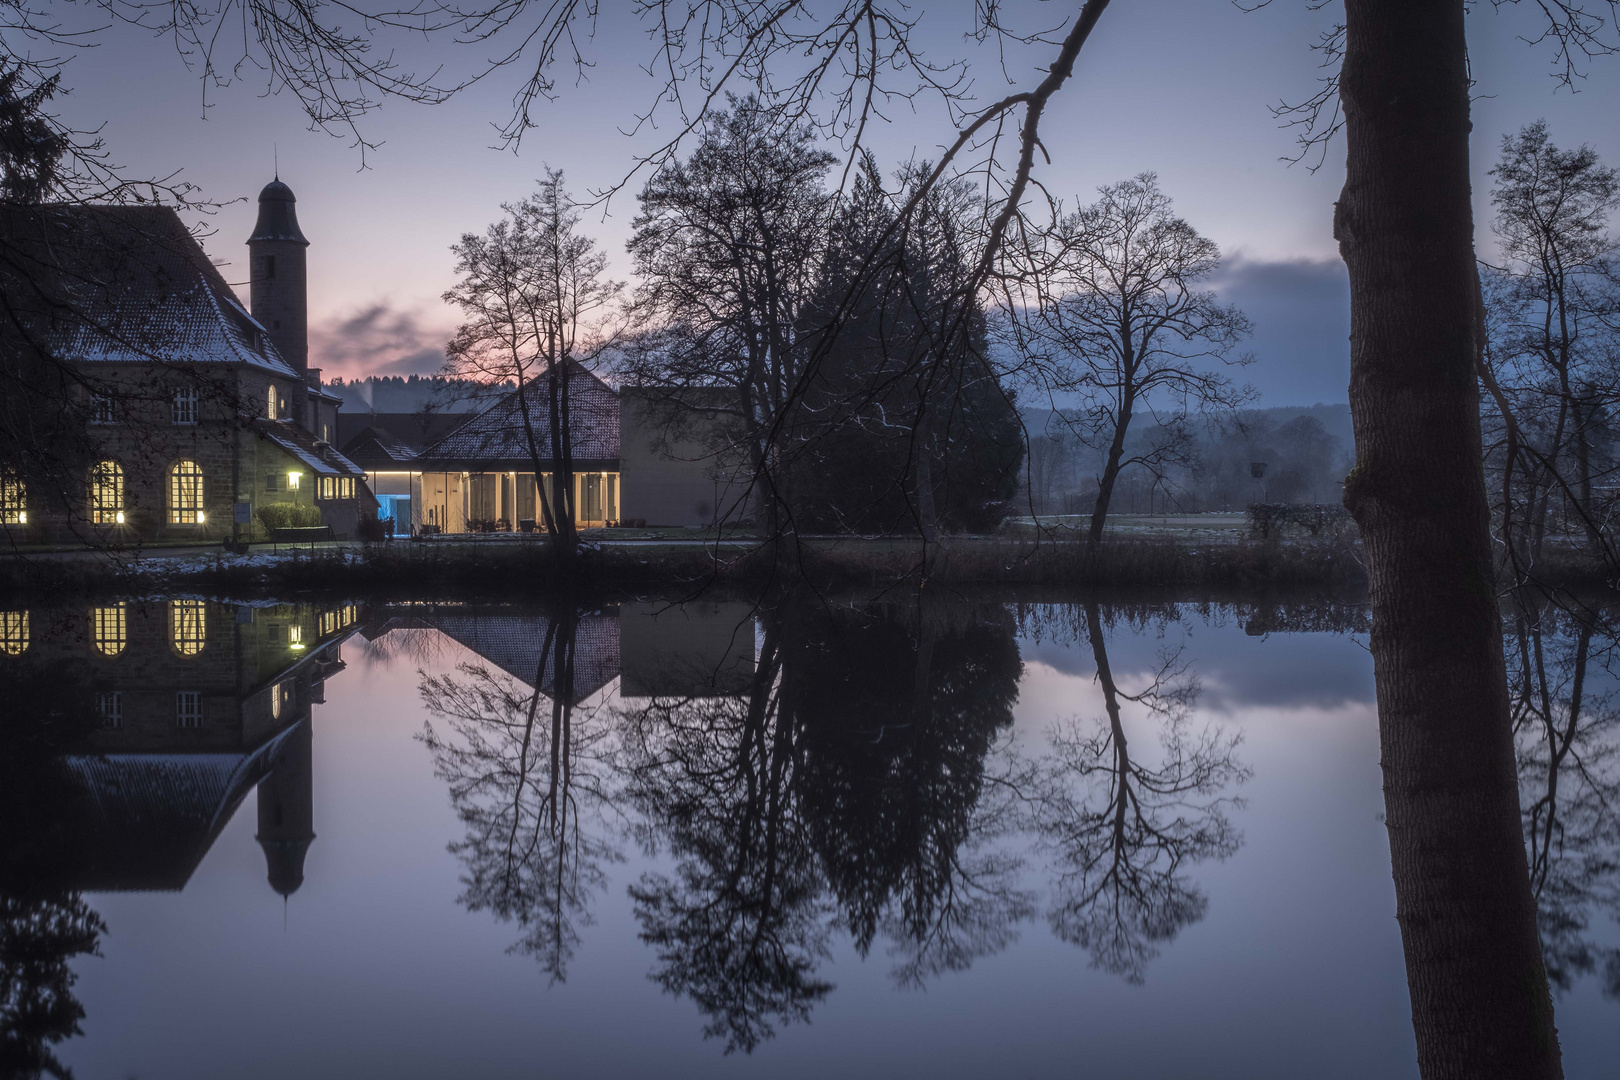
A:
13,499
185,405
295,637
13,632
188,711
108,630
275,702
187,626
186,494
107,493
111,703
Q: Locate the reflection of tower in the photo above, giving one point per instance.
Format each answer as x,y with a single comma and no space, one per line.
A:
287,810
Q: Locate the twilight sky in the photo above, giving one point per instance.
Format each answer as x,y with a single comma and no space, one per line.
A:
1180,87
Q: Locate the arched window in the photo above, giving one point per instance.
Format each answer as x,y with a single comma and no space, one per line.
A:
13,632
270,404
107,493
188,629
109,630
185,494
13,499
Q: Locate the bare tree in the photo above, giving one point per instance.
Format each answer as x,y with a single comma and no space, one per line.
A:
1104,306
536,294
1554,346
726,246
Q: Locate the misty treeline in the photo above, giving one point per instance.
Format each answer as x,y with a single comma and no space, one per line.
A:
1304,452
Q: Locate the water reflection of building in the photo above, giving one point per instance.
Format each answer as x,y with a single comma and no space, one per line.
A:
655,648
199,703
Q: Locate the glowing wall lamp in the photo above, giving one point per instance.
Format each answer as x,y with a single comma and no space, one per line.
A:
119,518
292,480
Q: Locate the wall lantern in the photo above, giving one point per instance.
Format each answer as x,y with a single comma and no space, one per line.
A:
119,518
292,480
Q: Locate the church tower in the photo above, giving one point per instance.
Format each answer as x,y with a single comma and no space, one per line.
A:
276,255
287,810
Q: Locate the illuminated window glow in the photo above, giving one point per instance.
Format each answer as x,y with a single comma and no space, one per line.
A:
271,409
13,499
185,493
13,632
188,627
109,629
107,493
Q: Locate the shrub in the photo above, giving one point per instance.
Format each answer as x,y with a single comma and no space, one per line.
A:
372,529
289,515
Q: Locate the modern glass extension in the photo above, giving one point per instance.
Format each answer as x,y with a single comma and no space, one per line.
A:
434,503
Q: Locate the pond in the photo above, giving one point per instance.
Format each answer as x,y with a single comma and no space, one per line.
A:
952,836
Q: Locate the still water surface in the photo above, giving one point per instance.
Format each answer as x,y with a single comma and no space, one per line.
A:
846,838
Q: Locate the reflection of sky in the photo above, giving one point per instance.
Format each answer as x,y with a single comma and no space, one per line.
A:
374,970
1182,88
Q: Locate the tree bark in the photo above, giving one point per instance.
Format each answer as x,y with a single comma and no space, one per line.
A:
1480,1001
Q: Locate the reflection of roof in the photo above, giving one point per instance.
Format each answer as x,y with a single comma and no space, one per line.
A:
516,644
128,284
497,434
302,445
154,816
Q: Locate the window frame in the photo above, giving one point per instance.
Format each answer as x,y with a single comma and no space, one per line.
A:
183,407
187,493
116,617
103,410
13,498
110,703
15,635
188,709
188,627
107,482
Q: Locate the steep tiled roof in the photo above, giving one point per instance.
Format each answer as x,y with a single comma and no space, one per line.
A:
497,435
375,448
128,283
324,459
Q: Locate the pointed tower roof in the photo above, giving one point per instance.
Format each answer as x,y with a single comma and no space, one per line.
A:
278,220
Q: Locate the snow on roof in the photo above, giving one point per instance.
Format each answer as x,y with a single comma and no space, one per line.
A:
497,434
130,284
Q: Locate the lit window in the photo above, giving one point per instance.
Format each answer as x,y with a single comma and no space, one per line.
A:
107,493
328,487
13,499
102,410
188,711
185,405
272,411
292,480
185,494
109,629
111,704
348,487
13,632
188,628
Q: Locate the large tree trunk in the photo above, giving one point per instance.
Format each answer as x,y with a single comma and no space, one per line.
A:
1480,1002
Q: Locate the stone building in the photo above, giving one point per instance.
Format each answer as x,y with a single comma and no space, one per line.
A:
197,413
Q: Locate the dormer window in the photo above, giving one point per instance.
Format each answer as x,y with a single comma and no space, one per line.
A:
272,409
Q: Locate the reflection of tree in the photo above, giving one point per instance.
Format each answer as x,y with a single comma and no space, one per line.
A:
525,785
43,924
740,928
1567,738
1122,831
896,722
38,937
847,784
